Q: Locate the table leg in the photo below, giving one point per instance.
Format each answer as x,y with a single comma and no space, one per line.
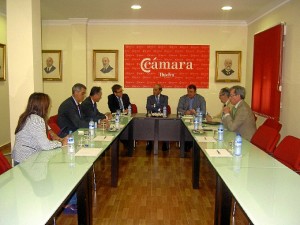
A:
115,162
223,203
130,139
156,137
196,165
84,200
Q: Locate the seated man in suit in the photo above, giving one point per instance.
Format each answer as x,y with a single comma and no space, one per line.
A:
224,98
241,118
89,107
70,117
155,103
118,100
188,103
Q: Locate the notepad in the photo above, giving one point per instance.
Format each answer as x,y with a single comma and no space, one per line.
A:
88,152
218,153
205,139
103,138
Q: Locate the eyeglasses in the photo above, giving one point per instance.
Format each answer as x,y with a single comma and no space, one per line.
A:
221,94
232,95
120,91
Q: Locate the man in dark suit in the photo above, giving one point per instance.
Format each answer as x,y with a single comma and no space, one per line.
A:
89,106
118,100
70,116
227,71
106,67
155,103
49,68
240,118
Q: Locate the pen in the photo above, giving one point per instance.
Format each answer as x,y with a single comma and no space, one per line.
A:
218,152
204,138
104,137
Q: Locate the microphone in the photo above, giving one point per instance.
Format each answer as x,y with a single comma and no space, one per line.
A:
224,105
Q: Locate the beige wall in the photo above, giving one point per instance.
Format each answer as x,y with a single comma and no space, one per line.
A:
290,111
4,115
115,36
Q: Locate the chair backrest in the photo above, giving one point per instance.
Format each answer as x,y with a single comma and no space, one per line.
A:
4,164
53,119
168,109
273,123
134,108
288,152
52,123
54,127
266,138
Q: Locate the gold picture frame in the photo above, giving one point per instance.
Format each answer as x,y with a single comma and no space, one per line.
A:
228,66
52,65
2,62
105,65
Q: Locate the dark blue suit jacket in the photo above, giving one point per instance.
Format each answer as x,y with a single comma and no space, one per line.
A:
69,118
153,106
113,103
90,111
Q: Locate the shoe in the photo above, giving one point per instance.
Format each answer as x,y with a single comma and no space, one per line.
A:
165,147
149,146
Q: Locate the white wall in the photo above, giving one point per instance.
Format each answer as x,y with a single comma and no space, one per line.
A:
115,36
290,111
4,115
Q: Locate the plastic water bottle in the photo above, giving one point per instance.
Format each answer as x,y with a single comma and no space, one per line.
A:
238,145
220,132
129,110
164,111
71,145
198,111
91,128
200,116
117,121
196,123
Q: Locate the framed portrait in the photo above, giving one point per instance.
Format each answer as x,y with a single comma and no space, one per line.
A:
228,66
105,65
2,61
52,65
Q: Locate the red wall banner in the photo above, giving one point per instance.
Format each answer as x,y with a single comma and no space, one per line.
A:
172,66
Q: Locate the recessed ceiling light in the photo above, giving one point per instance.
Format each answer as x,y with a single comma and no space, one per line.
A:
227,7
136,6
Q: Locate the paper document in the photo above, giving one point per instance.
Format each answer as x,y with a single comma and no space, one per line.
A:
218,153
88,152
103,138
205,139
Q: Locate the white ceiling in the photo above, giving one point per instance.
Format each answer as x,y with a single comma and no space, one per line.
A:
243,10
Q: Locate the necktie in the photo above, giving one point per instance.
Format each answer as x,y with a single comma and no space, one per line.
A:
121,103
157,99
233,112
94,107
191,103
78,107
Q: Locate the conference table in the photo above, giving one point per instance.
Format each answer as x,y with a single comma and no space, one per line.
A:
35,191
266,190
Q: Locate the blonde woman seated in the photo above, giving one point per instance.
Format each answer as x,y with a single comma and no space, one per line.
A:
31,131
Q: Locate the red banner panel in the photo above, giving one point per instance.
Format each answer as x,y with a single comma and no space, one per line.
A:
172,66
